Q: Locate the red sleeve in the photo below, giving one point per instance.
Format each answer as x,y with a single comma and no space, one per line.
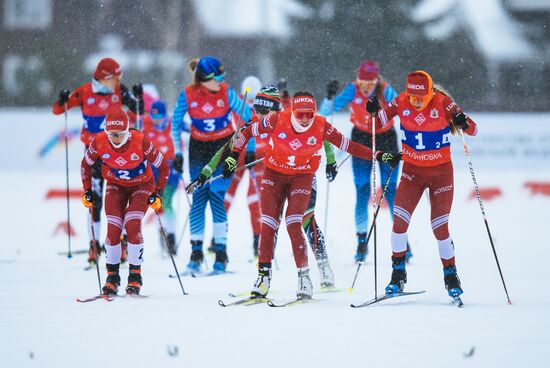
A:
387,113
452,108
90,157
255,129
337,139
74,100
155,157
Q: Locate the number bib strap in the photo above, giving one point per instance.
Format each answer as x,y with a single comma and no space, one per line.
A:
128,174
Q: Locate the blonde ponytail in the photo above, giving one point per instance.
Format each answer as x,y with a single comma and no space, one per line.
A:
439,88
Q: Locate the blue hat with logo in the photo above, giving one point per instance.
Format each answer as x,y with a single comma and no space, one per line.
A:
209,68
158,109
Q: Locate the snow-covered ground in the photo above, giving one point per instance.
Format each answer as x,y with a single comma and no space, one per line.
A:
42,325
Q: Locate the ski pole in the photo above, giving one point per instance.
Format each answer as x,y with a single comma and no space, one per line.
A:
170,251
93,245
344,160
328,182
214,178
69,254
468,158
186,221
374,203
236,134
350,289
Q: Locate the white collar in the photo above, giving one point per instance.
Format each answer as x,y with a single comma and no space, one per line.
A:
98,87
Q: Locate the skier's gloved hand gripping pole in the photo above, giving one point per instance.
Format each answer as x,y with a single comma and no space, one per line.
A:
459,120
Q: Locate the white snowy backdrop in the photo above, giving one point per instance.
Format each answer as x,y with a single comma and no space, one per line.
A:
42,325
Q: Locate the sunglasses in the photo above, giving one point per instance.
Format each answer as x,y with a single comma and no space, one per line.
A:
418,100
217,78
300,115
365,83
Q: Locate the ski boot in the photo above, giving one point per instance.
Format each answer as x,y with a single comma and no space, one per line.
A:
197,256
326,274
94,252
212,247
134,280
305,286
171,246
362,249
398,276
123,248
409,254
113,280
261,286
452,282
255,244
221,261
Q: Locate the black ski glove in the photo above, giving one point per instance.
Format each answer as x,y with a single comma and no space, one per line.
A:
137,90
283,87
373,105
177,163
332,89
391,158
229,165
461,121
196,184
331,171
63,97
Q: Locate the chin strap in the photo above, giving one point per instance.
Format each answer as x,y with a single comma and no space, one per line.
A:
299,128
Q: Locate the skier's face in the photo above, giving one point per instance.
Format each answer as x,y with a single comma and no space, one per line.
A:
418,102
367,86
304,117
214,84
117,137
111,83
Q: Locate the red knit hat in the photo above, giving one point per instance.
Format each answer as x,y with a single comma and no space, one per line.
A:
107,69
116,121
304,102
419,83
368,70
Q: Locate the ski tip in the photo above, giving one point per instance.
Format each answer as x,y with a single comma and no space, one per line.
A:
221,303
